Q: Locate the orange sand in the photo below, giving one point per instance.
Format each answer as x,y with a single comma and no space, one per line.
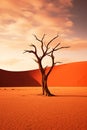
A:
71,74
26,109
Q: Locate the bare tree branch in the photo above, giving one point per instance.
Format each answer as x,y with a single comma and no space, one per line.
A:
35,60
32,45
43,37
52,56
33,52
29,51
36,38
41,41
57,45
57,62
47,46
56,49
52,40
42,46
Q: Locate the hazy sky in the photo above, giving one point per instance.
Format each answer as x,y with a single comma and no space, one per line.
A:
19,19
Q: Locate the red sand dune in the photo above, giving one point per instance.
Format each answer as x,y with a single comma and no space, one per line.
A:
72,74
15,79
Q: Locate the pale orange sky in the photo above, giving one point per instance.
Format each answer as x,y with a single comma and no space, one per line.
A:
19,19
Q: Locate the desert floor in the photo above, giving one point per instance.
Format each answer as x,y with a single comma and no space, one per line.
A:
26,109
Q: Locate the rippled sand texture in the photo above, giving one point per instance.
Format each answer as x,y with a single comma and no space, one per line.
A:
27,109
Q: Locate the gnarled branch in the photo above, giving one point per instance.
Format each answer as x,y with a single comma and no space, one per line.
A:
41,41
56,49
58,62
33,52
52,40
36,38
47,46
29,51
32,45
43,37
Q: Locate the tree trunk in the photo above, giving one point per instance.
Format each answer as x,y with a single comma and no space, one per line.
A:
45,89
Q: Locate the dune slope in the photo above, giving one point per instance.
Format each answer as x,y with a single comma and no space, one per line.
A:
10,79
72,74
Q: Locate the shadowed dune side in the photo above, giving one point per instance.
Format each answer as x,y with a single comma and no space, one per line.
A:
15,79
72,74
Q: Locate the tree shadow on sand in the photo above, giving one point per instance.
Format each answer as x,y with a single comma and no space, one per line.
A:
60,96
71,95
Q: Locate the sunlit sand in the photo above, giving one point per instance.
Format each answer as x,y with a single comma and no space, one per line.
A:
26,109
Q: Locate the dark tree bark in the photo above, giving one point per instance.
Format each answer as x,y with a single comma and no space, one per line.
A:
46,51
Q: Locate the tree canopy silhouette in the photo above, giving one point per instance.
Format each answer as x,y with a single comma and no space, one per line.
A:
46,51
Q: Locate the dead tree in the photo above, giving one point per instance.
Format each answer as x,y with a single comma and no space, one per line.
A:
46,51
